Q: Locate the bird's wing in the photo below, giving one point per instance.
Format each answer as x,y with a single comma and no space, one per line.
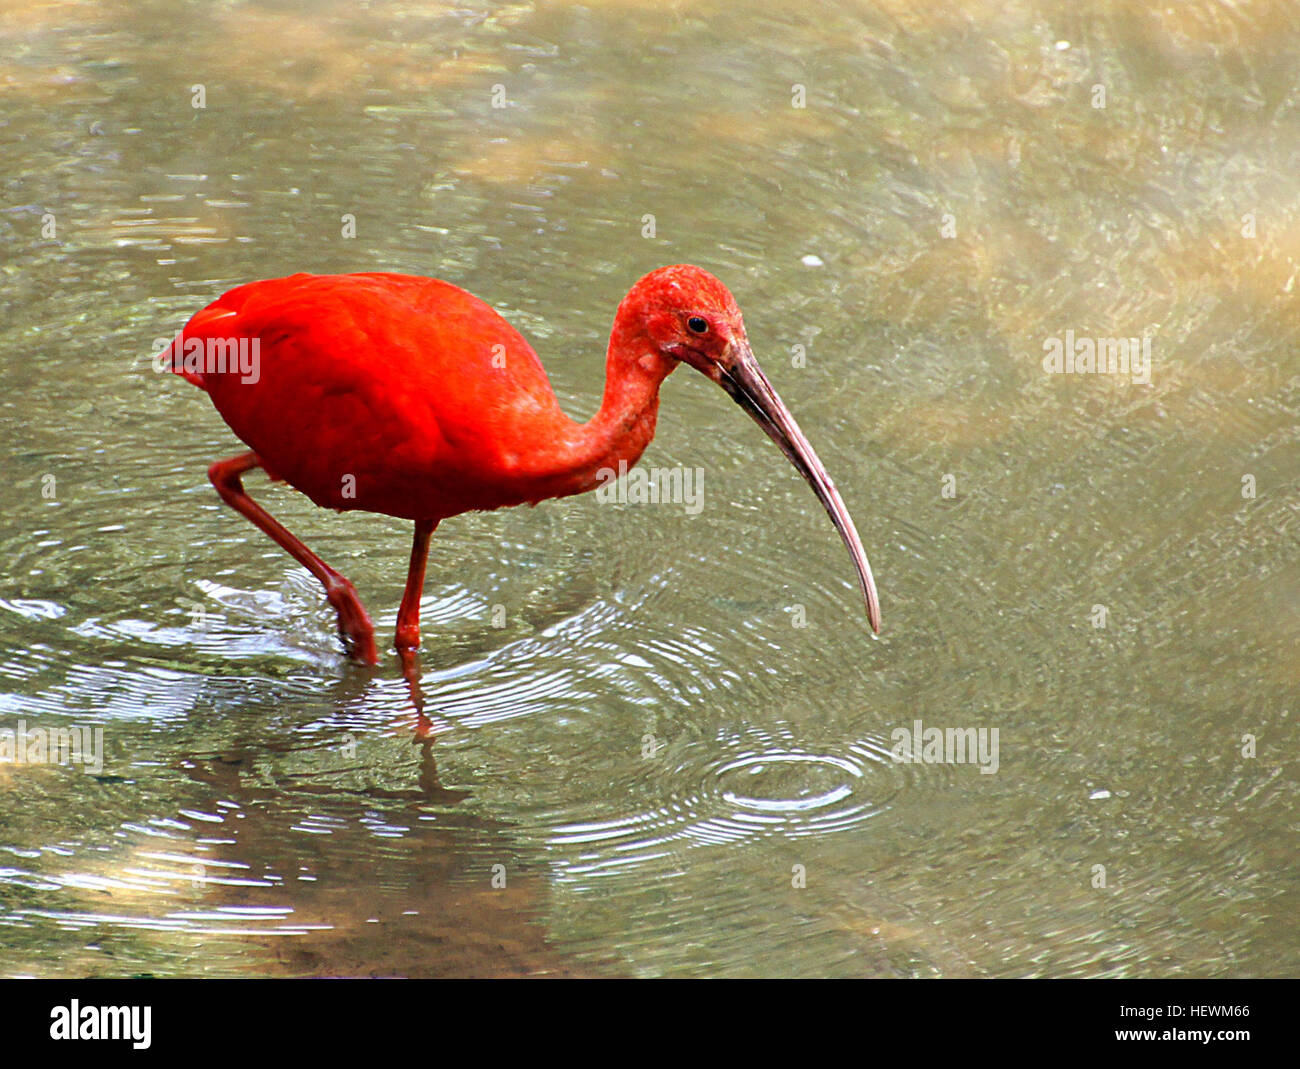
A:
385,387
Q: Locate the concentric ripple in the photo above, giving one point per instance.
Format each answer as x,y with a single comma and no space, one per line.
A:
742,791
765,767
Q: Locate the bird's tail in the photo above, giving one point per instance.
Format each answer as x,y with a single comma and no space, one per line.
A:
218,322
213,321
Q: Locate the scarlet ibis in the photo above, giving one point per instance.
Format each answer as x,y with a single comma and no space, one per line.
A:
411,397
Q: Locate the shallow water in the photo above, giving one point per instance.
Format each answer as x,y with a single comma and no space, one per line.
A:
669,736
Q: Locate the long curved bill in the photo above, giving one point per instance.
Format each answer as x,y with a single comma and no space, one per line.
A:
749,387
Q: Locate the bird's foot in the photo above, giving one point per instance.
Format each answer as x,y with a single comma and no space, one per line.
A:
355,628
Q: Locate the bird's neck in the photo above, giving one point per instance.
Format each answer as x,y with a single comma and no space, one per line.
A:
586,455
625,424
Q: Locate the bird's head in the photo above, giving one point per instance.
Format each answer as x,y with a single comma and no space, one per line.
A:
688,315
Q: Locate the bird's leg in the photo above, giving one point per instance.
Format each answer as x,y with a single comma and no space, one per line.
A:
407,641
355,628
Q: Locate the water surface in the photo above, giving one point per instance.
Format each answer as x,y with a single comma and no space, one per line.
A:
664,740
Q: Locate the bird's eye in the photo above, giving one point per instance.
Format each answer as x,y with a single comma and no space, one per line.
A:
698,325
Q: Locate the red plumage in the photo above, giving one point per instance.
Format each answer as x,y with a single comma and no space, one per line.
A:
382,392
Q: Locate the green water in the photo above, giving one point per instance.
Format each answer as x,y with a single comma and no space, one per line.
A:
664,740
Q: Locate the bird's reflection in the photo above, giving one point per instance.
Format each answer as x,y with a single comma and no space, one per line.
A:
224,769
411,673
381,880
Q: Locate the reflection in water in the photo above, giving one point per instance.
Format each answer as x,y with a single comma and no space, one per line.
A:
682,772
429,920
291,869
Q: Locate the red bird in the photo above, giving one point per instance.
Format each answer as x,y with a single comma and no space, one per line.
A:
408,396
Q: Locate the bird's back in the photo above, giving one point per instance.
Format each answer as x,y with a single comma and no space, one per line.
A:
385,392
